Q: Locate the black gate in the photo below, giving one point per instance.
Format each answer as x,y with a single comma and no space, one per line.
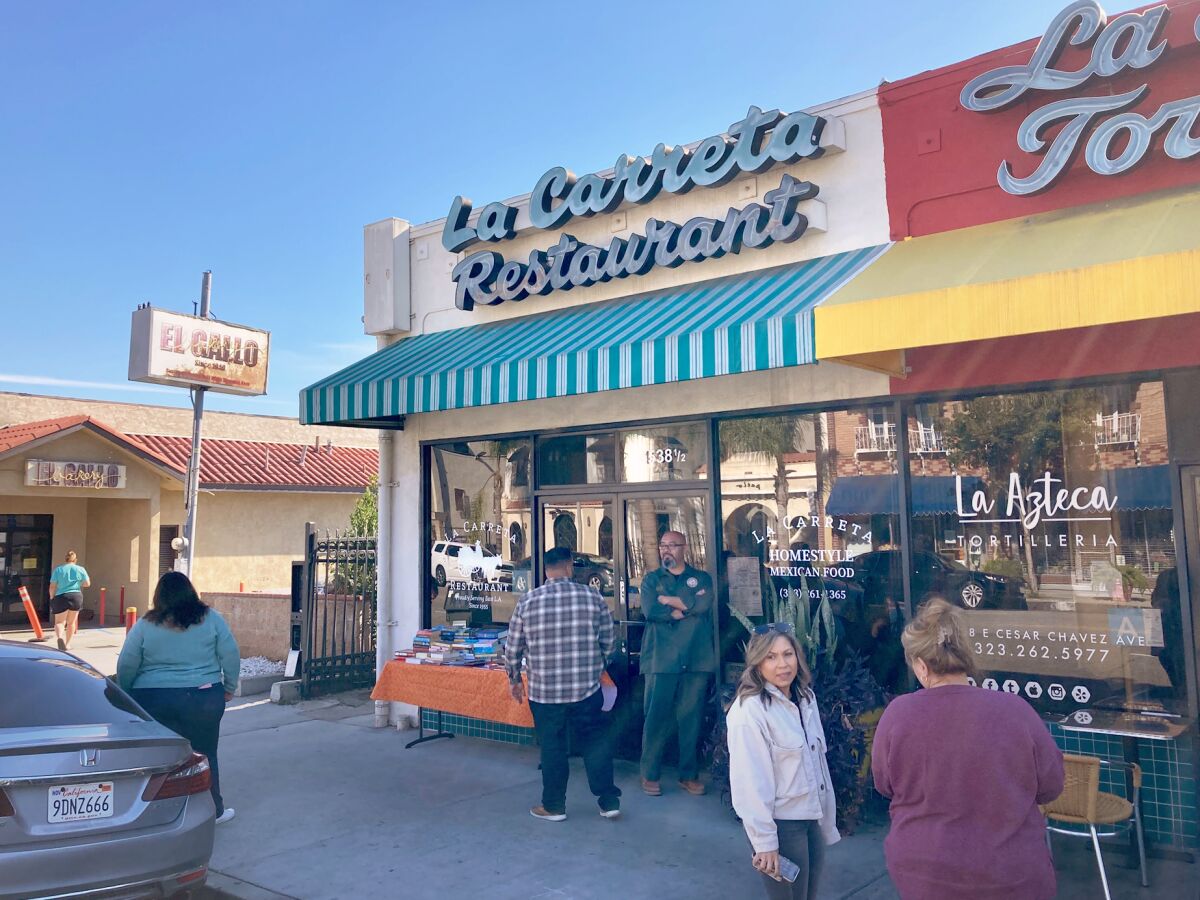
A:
337,639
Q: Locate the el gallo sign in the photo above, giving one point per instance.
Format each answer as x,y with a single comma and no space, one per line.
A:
1113,138
753,144
190,351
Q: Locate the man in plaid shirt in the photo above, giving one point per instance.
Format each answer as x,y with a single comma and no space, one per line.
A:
565,630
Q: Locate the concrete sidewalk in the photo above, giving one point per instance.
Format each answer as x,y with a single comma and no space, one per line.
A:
330,807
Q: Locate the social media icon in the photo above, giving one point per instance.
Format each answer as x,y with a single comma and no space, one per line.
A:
971,681
1056,692
991,684
1083,717
1012,687
1080,694
1033,690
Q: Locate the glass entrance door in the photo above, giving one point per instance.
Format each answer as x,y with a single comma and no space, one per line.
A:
647,519
24,560
615,542
585,526
1167,594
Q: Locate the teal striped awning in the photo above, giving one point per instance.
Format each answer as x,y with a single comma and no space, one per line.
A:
746,323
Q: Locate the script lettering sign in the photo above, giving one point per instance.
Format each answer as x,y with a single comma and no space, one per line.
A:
1111,135
753,144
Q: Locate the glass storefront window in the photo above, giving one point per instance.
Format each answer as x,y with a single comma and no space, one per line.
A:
665,453
577,459
810,525
480,530
1047,516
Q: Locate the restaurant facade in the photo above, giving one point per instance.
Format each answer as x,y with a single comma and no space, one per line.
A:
939,338
107,479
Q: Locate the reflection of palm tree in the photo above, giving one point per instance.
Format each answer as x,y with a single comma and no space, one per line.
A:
439,462
770,436
647,521
499,452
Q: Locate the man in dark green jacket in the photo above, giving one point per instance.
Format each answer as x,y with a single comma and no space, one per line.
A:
678,657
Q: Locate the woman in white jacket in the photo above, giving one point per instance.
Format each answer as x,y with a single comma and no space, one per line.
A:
777,770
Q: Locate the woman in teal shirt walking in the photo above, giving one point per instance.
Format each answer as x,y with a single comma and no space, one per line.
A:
66,598
181,664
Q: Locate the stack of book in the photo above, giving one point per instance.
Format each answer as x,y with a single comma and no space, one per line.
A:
457,645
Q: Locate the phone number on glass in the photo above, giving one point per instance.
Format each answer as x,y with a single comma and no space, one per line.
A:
1039,651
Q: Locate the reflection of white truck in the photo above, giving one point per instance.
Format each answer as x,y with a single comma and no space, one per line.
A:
457,561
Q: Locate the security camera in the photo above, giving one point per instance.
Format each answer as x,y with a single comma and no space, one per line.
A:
179,544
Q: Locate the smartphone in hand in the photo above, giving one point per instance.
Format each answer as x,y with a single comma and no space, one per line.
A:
788,870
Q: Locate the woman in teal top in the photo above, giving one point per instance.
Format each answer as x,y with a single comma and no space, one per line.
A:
66,598
181,663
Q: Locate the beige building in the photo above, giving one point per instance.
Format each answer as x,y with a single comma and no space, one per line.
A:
107,480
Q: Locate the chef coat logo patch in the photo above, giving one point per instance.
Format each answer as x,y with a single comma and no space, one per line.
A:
693,582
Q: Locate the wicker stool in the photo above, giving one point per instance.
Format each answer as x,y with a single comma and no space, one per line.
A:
1083,803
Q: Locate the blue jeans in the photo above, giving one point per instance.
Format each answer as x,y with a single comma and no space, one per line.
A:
192,713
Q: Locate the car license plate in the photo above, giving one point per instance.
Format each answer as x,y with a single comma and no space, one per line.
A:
78,802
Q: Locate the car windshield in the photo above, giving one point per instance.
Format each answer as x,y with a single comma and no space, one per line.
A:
56,691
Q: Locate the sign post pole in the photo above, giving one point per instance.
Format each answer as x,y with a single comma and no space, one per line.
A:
193,481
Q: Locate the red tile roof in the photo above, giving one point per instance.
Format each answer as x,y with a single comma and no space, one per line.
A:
224,463
248,464
13,436
18,435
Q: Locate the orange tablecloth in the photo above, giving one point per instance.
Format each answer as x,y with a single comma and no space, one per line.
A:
464,690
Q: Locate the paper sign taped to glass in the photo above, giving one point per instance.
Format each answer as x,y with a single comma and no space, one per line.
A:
745,584
1117,642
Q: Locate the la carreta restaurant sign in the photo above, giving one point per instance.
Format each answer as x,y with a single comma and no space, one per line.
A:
753,144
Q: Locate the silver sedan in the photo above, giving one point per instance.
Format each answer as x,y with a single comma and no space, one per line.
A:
96,798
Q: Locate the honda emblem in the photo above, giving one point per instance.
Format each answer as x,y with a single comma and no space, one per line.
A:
87,757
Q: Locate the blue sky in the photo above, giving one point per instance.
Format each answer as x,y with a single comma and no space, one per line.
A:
144,142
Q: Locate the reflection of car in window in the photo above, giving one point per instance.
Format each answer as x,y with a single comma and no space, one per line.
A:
594,571
879,573
458,561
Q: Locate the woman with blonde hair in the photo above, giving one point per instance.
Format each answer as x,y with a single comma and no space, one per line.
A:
66,598
777,770
965,769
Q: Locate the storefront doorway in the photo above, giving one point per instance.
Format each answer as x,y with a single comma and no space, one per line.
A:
614,538
24,561
1169,591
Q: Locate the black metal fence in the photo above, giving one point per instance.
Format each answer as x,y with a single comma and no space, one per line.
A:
338,612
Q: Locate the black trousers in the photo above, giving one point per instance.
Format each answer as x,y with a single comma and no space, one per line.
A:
552,722
800,841
193,713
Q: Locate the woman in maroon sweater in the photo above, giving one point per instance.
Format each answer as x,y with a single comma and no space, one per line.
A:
965,769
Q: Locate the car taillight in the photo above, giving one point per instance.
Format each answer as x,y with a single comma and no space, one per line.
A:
194,875
193,777
6,807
